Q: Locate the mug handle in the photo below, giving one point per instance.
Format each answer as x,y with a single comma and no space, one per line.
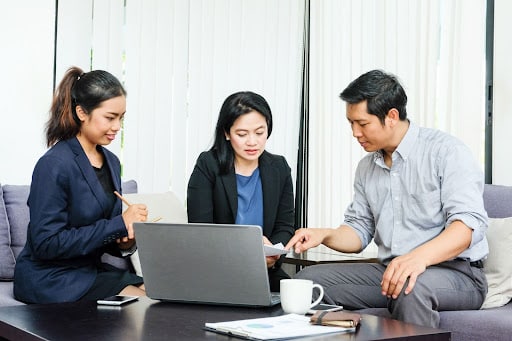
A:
319,299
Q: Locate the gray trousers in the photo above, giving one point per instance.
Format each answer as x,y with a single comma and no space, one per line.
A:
452,285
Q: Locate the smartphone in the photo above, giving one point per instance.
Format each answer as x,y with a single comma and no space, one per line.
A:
324,307
117,300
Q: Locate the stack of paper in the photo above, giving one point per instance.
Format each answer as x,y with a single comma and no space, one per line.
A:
273,328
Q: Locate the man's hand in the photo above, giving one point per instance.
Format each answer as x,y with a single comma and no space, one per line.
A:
305,239
447,245
401,269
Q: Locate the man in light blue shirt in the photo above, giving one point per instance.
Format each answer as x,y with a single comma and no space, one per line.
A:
418,194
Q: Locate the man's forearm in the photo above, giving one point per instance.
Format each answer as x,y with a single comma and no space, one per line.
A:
343,239
448,245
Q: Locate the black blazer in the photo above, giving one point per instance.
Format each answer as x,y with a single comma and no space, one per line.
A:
213,198
70,226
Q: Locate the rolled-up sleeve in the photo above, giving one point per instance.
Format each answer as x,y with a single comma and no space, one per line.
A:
358,214
462,191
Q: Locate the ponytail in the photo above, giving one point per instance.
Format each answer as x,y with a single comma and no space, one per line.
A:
63,123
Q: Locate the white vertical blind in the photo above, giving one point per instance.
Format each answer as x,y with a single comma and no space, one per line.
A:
502,108
179,60
90,35
74,35
184,59
460,96
436,48
156,80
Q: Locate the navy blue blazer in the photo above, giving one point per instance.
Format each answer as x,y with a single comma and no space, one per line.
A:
70,226
213,198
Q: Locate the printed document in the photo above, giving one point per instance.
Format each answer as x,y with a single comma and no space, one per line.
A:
274,328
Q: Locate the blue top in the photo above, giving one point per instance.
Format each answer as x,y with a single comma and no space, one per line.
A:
250,199
433,181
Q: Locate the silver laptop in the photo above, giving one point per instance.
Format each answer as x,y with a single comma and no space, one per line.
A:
204,263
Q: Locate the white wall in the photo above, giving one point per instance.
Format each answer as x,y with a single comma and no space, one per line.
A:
502,106
26,40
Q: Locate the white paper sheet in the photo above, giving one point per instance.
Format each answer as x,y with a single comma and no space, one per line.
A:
274,250
274,328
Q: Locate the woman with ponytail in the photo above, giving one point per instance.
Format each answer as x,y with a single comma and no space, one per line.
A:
75,216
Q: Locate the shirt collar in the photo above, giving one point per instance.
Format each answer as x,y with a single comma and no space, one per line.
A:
405,146
408,141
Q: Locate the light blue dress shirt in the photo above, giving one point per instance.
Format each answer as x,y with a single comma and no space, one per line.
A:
433,181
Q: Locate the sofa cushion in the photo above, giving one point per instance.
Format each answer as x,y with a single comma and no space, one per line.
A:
468,325
497,199
497,266
7,296
15,197
478,325
129,186
6,255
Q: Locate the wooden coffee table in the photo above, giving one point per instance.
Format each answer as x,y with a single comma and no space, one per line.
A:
152,320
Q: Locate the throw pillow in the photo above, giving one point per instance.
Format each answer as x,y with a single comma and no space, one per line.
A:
129,186
497,266
6,255
15,197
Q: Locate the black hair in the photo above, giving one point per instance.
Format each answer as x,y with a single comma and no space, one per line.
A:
381,91
234,106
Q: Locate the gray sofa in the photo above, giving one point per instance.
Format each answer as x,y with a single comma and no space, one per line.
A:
14,218
485,324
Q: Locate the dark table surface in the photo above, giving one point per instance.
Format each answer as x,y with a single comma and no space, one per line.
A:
152,320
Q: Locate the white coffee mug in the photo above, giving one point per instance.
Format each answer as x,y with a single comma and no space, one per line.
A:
296,295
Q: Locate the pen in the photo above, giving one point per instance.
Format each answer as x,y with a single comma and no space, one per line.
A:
128,204
122,198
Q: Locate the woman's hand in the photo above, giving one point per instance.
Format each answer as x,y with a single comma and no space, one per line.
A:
125,243
134,213
271,260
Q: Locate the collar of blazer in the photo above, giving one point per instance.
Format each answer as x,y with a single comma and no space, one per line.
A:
268,175
90,176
